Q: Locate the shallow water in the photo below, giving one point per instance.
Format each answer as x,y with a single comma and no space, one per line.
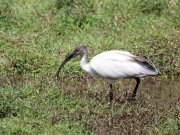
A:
155,90
159,91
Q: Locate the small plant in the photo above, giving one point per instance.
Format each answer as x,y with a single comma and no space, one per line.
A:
156,7
80,12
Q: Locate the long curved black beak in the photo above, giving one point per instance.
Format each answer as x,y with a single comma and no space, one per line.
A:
68,58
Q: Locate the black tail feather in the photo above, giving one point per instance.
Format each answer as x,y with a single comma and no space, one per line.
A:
148,66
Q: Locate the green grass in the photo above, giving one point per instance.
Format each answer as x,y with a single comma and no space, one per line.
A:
36,35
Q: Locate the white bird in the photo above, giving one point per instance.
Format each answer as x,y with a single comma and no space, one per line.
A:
113,65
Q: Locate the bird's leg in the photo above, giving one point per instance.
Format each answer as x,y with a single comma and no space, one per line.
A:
136,87
110,93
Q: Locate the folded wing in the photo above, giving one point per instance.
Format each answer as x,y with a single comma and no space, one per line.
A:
120,64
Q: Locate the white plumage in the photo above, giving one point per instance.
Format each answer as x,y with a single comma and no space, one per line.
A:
113,65
118,64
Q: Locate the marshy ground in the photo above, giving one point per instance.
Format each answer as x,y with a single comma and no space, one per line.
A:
43,105
36,35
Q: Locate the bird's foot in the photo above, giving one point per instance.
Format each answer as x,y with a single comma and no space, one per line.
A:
131,99
110,102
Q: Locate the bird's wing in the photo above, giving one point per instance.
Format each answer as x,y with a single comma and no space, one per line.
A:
119,64
145,64
113,53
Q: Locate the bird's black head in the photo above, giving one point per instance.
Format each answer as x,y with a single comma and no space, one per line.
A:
80,50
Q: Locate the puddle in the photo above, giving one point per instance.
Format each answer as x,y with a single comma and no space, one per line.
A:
160,92
157,91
